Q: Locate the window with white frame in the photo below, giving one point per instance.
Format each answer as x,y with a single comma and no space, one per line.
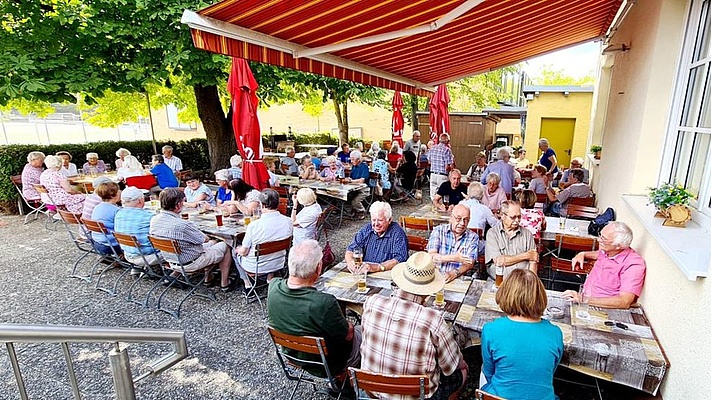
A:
690,130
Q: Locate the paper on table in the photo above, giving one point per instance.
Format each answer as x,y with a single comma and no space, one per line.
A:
457,285
343,280
381,275
567,331
466,312
487,301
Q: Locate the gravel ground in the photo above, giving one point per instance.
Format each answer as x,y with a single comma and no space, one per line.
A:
231,356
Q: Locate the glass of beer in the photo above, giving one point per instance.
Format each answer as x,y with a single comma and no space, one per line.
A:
247,219
445,201
439,296
499,275
361,271
218,219
184,215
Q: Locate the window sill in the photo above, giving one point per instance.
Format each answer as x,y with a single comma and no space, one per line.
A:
687,247
594,161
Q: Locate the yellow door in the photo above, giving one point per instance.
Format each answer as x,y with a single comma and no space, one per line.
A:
559,132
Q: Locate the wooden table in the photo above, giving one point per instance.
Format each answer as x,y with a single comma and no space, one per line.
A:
88,178
333,193
339,282
206,222
632,356
427,212
573,227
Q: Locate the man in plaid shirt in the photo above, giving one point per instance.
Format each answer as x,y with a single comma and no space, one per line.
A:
454,244
441,161
403,337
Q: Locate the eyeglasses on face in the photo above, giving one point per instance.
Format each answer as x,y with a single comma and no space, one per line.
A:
460,219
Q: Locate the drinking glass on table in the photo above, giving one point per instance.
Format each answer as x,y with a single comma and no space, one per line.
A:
563,218
583,303
439,296
445,201
361,270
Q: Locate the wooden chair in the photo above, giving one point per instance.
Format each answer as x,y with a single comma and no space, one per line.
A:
581,212
300,354
480,266
170,251
566,247
126,240
418,224
419,183
371,382
283,206
541,198
582,201
81,239
51,206
261,250
88,187
113,258
283,191
416,243
482,395
36,206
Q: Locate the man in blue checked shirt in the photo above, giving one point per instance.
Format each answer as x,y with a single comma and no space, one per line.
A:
383,242
454,245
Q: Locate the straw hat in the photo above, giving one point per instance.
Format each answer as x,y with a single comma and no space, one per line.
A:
418,275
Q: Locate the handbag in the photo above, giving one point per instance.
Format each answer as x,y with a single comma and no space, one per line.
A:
328,257
601,221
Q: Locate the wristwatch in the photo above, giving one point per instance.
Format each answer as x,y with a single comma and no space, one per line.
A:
382,267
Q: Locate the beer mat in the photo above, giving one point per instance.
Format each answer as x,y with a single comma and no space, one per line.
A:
343,280
466,312
381,275
487,301
458,285
567,331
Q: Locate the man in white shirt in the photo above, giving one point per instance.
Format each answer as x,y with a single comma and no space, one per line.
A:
170,160
272,226
413,144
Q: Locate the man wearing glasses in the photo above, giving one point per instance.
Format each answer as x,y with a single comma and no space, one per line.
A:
508,245
456,246
617,278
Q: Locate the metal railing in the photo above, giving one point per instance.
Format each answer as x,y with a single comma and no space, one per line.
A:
118,357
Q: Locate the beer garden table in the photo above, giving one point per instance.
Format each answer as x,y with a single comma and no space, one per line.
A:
333,193
232,227
627,352
427,212
342,284
573,227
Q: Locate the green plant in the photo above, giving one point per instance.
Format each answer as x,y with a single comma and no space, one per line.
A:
595,148
669,194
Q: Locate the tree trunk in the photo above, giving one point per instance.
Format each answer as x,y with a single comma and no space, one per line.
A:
413,110
218,127
341,118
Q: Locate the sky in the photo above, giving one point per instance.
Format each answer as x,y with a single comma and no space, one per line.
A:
575,61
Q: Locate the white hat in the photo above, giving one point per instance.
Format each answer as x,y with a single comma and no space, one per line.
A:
131,193
418,275
222,175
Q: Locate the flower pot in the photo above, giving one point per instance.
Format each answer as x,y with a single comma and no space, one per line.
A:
597,154
677,216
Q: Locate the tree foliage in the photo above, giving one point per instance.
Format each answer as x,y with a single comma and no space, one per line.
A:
549,75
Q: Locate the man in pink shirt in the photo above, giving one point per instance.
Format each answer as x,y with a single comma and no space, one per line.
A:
617,278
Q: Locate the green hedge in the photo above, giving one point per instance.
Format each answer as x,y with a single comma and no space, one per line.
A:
13,158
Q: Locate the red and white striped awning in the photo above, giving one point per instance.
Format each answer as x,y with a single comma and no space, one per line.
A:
404,45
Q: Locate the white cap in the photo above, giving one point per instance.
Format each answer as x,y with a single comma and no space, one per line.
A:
131,193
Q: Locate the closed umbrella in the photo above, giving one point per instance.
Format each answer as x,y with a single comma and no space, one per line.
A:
439,113
243,88
398,120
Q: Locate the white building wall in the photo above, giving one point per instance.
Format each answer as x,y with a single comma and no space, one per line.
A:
638,111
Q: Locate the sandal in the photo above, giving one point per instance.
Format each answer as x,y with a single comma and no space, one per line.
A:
230,286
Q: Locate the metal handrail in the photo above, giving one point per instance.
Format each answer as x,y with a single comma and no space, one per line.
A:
12,333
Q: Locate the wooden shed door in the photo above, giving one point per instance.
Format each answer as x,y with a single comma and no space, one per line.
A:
464,136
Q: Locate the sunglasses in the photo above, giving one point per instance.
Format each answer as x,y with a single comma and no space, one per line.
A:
617,324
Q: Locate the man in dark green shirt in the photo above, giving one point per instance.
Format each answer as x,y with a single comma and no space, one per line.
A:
295,307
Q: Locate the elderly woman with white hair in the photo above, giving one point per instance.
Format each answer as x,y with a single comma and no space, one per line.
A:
121,154
235,169
479,214
68,167
305,221
224,192
374,149
307,169
494,195
93,165
502,168
332,172
31,175
60,192
548,158
129,167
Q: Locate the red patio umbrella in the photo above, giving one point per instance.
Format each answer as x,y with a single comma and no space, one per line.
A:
398,120
243,88
439,113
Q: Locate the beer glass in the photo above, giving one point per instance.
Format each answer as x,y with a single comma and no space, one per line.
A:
583,303
439,296
361,271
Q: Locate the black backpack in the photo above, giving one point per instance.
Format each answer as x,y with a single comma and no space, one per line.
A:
600,221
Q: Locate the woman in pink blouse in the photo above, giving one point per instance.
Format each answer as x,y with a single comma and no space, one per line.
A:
493,195
31,174
532,218
58,187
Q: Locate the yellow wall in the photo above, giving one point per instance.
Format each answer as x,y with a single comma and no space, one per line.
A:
163,132
555,105
635,125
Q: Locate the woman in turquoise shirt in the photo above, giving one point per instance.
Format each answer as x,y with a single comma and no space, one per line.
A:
521,351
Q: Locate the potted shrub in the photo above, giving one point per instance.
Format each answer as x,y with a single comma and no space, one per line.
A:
671,201
596,149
